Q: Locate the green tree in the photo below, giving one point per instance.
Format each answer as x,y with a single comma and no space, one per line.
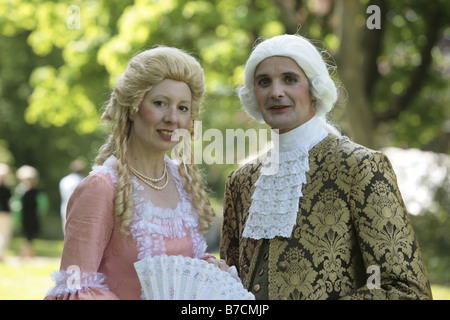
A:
56,72
396,77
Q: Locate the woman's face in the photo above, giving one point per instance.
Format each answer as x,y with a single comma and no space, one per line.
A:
282,93
165,108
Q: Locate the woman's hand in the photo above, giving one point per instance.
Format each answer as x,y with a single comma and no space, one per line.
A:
216,262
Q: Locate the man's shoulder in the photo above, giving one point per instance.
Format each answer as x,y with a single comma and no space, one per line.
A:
342,147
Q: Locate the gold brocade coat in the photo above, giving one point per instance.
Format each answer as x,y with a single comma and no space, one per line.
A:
351,217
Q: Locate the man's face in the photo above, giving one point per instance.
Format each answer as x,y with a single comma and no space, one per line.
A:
282,93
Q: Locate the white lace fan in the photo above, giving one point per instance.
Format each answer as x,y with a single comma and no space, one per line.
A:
184,278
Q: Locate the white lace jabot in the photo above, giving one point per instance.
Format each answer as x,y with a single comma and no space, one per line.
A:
276,198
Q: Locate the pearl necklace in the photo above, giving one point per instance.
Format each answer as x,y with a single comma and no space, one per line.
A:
137,173
148,181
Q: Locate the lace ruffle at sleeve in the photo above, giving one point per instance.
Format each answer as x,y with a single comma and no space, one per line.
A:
89,226
79,286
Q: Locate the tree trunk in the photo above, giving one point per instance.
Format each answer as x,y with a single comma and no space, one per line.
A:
357,121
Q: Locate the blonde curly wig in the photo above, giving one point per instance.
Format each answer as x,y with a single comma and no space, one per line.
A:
144,70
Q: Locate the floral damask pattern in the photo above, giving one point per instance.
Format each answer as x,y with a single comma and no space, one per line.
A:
299,277
351,216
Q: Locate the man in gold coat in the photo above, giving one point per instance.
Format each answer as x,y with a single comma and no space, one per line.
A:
329,222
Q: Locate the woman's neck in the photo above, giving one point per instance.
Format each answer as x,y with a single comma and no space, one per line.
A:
150,164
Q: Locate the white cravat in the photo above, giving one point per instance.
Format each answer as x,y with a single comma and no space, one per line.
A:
275,202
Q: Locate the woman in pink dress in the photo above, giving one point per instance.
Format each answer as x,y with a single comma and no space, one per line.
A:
137,202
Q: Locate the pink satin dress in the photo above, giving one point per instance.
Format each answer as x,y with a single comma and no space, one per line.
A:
98,259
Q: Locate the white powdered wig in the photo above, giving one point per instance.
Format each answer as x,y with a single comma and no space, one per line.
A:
308,58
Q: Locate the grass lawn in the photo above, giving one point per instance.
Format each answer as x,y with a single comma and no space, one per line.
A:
22,279
29,279
26,279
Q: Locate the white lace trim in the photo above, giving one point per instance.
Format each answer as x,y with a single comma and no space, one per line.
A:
275,202
152,223
149,227
108,168
71,282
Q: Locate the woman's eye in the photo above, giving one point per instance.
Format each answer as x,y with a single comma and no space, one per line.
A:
159,103
183,108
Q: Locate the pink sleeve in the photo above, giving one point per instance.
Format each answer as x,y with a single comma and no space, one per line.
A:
89,226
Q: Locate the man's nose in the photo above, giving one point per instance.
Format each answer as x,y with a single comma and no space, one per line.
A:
277,90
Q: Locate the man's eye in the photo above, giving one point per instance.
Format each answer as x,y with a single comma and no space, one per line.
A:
290,79
264,82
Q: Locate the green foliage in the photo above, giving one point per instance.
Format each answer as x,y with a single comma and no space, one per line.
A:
408,47
54,80
431,229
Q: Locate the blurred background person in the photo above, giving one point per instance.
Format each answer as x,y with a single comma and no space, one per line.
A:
5,211
34,204
68,184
